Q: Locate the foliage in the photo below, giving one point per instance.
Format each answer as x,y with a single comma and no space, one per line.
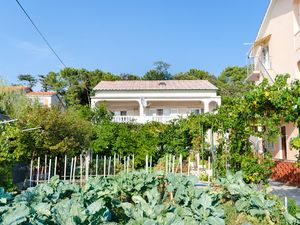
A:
160,72
248,199
56,132
140,198
195,74
231,82
257,168
293,208
28,79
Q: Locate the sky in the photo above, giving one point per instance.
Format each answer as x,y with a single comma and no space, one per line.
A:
127,36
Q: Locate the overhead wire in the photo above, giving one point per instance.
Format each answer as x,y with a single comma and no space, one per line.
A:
41,34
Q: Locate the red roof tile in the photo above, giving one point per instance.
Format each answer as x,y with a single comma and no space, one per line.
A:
37,93
156,85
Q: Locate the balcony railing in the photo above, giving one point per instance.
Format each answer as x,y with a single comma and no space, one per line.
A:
143,119
261,65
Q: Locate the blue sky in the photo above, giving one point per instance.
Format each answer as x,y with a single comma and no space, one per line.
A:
127,36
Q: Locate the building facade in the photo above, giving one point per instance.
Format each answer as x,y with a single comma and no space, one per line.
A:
143,101
47,99
276,50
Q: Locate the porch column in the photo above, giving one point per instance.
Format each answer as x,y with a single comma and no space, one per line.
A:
206,106
141,107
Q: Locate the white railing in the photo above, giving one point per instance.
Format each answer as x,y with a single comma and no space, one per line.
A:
143,119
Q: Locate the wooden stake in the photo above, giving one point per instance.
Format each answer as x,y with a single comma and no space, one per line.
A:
104,167
109,163
189,162
96,165
55,165
167,163
198,160
87,167
146,166
38,171
65,168
49,174
74,169
180,161
170,163
128,160
151,164
124,164
30,176
81,162
133,163
114,164
71,169
173,164
45,163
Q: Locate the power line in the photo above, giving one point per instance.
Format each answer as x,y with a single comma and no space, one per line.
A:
40,33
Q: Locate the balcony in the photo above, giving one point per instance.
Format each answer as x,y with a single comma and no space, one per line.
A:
259,68
144,119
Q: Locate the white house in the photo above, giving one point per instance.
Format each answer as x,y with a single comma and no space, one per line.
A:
159,100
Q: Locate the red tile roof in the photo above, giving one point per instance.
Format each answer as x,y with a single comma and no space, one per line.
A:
156,85
38,93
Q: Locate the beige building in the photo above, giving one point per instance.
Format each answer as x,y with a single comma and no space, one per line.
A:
161,101
276,50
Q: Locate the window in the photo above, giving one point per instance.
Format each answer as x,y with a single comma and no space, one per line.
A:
159,112
195,111
123,113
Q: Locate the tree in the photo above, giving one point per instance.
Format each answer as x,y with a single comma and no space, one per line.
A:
160,72
29,80
126,76
76,85
195,74
231,82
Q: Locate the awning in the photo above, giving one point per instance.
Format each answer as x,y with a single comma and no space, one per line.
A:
261,41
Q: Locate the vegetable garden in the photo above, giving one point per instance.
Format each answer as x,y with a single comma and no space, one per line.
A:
141,198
